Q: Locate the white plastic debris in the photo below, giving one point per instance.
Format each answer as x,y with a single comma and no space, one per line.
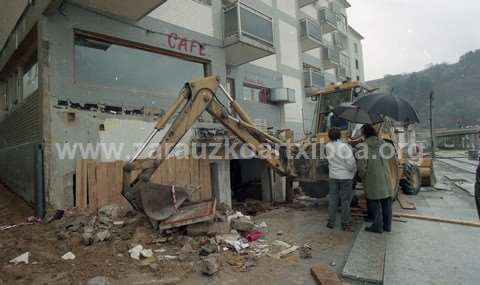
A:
284,252
23,258
68,256
136,251
147,253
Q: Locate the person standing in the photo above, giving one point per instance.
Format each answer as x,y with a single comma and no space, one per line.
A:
373,170
477,189
341,168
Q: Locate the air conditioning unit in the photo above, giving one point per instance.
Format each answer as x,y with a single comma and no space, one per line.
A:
282,95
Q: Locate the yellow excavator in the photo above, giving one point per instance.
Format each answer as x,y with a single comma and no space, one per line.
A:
411,170
160,202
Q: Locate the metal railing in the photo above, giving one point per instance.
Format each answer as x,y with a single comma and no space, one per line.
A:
244,20
309,28
313,78
327,16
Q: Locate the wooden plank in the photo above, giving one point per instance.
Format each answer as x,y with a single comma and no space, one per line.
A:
324,276
81,184
435,219
195,179
191,214
102,184
91,181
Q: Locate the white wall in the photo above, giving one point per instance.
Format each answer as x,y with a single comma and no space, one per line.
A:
190,15
289,45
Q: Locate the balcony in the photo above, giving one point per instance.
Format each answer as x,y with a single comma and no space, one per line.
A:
313,78
331,57
131,10
248,34
328,20
310,34
340,41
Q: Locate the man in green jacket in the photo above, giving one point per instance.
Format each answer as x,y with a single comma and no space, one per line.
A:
373,170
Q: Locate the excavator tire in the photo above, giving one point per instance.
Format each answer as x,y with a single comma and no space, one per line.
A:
413,177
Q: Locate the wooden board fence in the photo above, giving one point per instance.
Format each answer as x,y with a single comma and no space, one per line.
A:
100,183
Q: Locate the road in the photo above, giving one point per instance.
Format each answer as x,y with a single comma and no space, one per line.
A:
423,252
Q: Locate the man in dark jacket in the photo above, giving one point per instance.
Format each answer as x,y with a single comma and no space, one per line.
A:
373,170
477,190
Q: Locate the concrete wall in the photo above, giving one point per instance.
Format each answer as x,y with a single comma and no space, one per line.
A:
356,53
68,125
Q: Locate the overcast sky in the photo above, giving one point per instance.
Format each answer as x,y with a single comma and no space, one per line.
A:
407,35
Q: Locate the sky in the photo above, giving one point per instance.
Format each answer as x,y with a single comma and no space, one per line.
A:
408,35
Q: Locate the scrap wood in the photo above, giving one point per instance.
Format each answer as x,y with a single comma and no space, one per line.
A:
323,275
435,219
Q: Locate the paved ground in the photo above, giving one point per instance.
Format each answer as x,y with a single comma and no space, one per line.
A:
422,252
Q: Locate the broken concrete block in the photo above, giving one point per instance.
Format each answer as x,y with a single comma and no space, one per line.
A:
102,236
100,280
135,252
208,249
68,256
23,258
210,264
87,238
243,224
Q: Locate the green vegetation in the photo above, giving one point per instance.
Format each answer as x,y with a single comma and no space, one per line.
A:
456,91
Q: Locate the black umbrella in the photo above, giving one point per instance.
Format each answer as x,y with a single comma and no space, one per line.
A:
392,106
356,115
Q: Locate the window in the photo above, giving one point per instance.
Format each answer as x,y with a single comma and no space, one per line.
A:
358,78
105,63
231,87
256,93
357,66
355,47
30,81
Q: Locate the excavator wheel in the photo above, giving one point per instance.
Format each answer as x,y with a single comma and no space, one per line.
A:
413,177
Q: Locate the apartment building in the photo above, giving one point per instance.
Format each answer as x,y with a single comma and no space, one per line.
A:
104,71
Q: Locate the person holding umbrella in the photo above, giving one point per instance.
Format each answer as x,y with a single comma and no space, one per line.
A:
373,170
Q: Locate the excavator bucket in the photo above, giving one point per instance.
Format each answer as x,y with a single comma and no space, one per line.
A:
158,202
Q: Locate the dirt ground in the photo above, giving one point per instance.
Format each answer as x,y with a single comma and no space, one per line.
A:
48,242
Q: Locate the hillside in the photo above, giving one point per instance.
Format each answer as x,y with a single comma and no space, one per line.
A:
456,88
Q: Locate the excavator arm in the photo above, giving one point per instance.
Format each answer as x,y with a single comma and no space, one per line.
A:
195,98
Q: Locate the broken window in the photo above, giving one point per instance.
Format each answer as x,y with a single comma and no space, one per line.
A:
256,93
30,80
103,63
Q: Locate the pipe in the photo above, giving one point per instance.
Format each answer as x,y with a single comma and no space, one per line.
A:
144,145
39,182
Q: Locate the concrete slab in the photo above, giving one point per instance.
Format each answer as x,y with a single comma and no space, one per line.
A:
367,258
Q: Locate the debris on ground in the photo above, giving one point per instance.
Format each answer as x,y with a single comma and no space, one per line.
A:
100,280
243,224
254,236
323,275
284,252
305,251
23,258
138,252
210,264
68,256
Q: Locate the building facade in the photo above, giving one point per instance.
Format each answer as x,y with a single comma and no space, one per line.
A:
81,72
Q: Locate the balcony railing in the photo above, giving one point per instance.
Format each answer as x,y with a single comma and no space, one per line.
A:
331,57
313,78
311,35
328,20
248,34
